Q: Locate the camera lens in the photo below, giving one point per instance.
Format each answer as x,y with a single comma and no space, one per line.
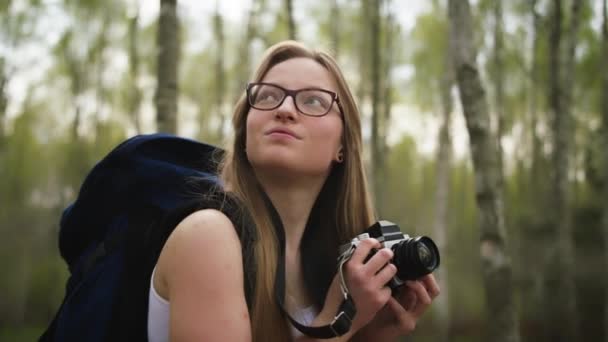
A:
425,256
415,257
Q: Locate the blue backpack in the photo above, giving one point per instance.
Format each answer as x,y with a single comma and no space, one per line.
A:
112,235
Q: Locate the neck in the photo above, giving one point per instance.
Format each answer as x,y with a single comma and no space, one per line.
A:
293,201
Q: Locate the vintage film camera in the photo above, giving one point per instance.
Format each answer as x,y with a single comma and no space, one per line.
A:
414,257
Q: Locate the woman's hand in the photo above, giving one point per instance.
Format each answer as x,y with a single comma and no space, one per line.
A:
366,281
401,313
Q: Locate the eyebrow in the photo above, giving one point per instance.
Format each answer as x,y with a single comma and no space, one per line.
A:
299,88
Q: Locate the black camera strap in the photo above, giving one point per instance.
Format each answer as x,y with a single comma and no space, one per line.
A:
338,327
343,319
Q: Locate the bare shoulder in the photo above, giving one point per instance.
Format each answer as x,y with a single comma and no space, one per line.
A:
201,274
203,235
209,219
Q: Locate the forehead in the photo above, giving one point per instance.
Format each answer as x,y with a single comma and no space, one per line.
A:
300,72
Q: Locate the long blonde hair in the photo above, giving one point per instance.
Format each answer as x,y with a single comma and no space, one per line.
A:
352,210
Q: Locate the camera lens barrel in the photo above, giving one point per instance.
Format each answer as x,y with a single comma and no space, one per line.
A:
415,257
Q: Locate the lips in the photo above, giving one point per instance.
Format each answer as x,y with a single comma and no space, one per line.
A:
282,130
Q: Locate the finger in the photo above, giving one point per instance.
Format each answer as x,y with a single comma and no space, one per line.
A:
430,283
363,250
405,319
385,275
408,299
378,261
422,296
381,298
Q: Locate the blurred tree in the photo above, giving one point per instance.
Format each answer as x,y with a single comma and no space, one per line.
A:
291,26
377,142
334,15
80,56
363,38
243,66
444,163
533,95
15,26
388,39
442,222
524,123
604,112
499,84
496,264
135,93
220,75
433,82
3,98
559,279
18,180
97,52
167,65
74,66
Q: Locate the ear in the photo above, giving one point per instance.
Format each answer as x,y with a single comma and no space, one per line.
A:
339,155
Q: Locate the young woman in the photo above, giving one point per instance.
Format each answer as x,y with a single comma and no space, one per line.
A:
297,153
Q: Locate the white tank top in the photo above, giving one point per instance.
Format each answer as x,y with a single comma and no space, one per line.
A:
158,316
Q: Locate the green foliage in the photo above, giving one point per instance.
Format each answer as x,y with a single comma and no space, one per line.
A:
428,48
20,334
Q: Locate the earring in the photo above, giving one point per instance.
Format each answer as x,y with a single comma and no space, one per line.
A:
340,157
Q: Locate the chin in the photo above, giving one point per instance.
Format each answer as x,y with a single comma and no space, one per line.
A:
290,161
274,161
286,168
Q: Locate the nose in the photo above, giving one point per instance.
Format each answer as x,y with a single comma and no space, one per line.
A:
287,110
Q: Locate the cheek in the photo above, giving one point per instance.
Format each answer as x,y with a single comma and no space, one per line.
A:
327,140
252,125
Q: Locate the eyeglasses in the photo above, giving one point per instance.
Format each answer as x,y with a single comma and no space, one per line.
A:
308,101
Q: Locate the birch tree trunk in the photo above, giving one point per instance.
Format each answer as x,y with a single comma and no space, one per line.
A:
135,92
604,109
444,162
220,84
533,185
167,64
559,279
291,26
375,68
502,324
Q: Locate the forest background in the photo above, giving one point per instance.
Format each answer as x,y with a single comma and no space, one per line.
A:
485,127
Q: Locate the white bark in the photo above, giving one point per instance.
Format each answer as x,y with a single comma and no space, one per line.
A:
502,323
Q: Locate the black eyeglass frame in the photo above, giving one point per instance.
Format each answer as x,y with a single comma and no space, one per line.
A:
293,94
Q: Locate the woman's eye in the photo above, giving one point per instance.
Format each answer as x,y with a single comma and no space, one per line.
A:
267,97
314,101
